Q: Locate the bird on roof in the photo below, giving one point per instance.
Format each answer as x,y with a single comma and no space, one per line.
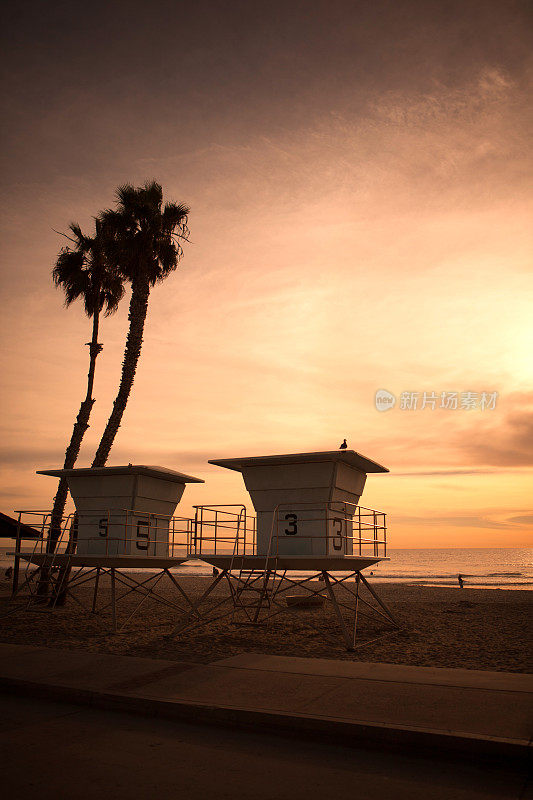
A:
343,445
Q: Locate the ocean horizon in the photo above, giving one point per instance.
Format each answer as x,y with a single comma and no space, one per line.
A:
480,567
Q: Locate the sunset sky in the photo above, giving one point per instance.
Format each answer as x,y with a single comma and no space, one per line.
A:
359,177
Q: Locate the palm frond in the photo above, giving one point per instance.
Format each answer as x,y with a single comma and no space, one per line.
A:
125,194
175,215
143,236
70,275
152,195
111,293
85,271
81,240
168,257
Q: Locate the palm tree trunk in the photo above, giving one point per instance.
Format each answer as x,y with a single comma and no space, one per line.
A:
71,454
73,449
140,292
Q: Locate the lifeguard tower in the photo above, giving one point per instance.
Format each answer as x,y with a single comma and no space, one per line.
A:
305,502
310,534
124,520
310,527
126,511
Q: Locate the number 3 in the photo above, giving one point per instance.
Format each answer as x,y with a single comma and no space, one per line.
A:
292,530
337,543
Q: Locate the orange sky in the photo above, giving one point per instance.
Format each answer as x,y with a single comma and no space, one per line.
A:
360,188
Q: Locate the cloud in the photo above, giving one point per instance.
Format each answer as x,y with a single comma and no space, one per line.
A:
522,519
49,458
456,520
443,472
18,456
504,444
443,104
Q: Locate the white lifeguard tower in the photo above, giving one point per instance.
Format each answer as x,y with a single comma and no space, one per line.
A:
305,502
124,521
309,528
310,535
126,511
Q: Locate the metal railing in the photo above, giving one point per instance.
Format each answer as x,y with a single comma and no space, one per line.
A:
334,527
330,528
117,532
217,530
40,522
136,533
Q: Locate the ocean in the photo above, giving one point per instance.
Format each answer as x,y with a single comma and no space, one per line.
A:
510,568
503,568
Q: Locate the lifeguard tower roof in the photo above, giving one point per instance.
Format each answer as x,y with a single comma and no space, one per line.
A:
346,456
131,469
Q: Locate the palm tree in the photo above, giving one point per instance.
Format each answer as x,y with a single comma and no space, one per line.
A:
83,271
145,248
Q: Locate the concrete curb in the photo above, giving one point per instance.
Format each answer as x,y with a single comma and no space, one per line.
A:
334,729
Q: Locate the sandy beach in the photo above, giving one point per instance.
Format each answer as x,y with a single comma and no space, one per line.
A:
442,627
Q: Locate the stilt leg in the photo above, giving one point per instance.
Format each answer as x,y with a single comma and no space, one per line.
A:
16,570
264,592
344,631
378,600
195,606
149,592
113,599
179,588
357,579
95,593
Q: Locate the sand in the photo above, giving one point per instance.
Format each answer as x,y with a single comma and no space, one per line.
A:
488,629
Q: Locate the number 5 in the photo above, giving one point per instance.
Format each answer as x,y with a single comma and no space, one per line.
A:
143,536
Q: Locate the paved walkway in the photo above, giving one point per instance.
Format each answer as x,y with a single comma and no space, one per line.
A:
52,750
428,709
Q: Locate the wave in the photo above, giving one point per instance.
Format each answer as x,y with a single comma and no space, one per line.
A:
471,584
448,575
504,574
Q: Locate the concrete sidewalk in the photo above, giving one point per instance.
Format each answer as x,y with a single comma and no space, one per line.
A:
421,708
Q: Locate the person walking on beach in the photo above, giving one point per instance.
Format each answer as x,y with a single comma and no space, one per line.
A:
460,579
